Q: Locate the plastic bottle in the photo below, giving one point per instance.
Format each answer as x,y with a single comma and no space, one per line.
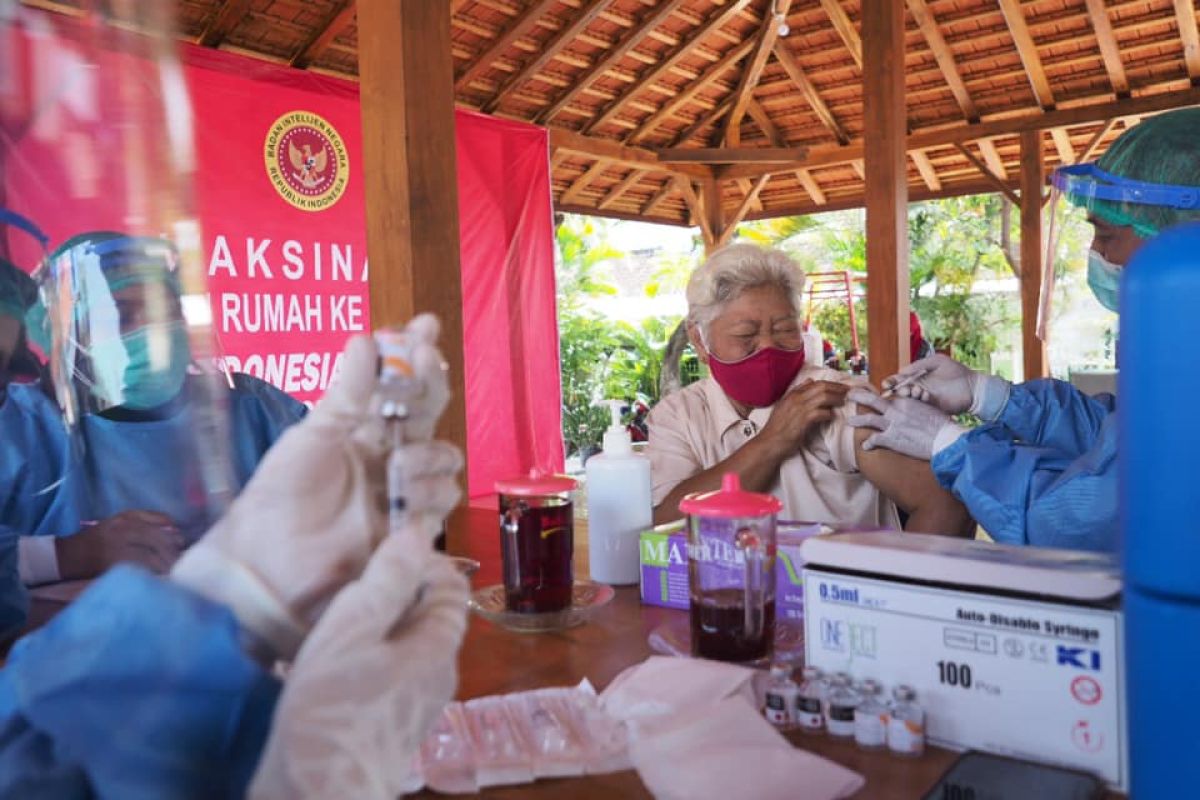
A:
906,724
839,720
810,704
870,718
619,505
781,696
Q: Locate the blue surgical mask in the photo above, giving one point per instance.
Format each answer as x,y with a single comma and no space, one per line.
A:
1104,278
142,369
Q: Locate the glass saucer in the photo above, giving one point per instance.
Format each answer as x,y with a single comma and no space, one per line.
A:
586,598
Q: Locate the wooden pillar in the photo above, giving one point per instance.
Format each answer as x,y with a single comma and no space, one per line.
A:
886,185
714,215
406,84
1032,181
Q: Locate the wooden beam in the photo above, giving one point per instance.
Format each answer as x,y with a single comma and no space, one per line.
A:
916,193
339,18
523,24
565,35
1062,143
925,167
845,29
824,156
1110,53
747,186
406,91
1014,17
1094,142
810,93
997,181
732,155
669,188
695,205
223,22
763,120
945,59
585,180
991,157
1032,180
706,79
1185,17
629,216
625,155
886,186
712,216
811,186
704,121
627,183
610,58
740,212
767,35
665,66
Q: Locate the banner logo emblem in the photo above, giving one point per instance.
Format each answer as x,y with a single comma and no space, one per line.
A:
306,160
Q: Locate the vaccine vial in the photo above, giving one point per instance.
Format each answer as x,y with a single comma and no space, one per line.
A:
842,701
870,718
906,723
810,703
781,696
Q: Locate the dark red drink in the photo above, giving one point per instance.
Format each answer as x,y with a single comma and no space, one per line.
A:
537,536
721,630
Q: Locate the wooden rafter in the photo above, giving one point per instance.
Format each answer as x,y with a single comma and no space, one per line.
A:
811,96
999,183
613,55
1014,17
625,155
706,79
860,168
747,186
1090,149
763,120
338,20
558,157
811,186
732,155
627,183
1109,51
991,157
669,188
696,207
522,25
768,34
742,210
924,166
945,59
671,62
1062,143
702,122
223,22
581,183
565,35
845,29
1185,16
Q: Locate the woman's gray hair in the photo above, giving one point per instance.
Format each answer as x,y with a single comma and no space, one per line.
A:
734,269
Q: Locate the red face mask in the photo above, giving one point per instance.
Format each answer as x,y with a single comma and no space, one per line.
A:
758,380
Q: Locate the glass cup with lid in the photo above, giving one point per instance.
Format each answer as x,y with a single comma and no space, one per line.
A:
537,537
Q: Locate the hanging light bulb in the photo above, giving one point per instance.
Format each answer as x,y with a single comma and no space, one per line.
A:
779,11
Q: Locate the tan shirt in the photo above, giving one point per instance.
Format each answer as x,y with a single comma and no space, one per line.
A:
697,427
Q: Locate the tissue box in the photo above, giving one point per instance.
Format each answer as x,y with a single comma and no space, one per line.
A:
665,567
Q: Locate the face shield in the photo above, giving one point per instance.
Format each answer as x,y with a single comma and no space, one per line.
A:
22,345
96,135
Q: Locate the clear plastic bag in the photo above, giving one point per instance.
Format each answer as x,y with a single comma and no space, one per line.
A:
447,759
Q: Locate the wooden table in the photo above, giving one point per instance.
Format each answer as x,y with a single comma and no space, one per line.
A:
496,661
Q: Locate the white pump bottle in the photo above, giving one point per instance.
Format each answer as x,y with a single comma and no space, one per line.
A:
619,505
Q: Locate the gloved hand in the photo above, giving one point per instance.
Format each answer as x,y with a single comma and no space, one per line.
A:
952,387
369,681
315,509
905,425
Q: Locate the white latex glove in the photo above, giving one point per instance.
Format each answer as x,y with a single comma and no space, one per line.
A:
370,680
951,386
905,425
315,509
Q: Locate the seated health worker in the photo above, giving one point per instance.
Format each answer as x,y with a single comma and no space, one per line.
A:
1043,470
131,491
776,420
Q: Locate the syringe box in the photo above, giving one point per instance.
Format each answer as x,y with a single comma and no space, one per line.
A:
1016,651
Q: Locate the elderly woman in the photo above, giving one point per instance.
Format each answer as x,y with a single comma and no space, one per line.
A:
780,423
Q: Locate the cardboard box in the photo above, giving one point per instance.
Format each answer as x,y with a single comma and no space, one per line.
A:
665,566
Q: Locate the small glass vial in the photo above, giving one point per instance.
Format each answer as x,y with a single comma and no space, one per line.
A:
906,724
870,718
781,696
839,721
810,704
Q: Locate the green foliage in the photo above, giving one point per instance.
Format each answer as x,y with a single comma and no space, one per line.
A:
582,251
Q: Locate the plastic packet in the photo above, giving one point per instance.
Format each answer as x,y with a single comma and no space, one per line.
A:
554,729
447,760
502,756
607,738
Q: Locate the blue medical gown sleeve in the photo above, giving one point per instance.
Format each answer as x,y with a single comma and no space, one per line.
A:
1029,494
139,689
1054,414
14,601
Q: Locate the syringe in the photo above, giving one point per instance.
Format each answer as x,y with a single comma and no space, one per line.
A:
399,387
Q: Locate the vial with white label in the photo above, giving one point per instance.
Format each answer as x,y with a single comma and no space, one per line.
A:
839,720
906,724
810,703
870,718
781,697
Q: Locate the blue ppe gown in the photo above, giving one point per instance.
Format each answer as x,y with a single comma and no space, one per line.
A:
140,689
1044,473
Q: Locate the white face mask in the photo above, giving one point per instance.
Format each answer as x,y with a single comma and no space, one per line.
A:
1104,279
